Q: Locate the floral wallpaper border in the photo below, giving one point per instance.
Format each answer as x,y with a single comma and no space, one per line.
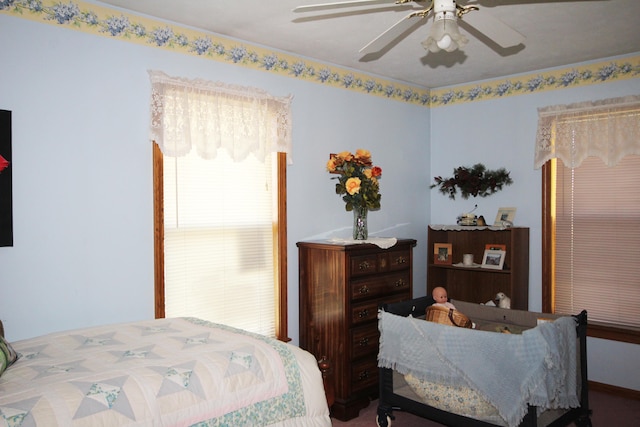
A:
600,72
106,22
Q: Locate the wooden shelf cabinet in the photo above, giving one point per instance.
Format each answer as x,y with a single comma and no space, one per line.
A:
475,284
340,289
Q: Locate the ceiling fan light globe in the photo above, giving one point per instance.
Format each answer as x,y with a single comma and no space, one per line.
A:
458,42
444,35
430,44
445,42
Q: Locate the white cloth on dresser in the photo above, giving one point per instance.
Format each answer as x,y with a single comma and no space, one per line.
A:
510,371
381,242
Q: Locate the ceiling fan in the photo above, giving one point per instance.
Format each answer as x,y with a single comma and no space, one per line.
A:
444,33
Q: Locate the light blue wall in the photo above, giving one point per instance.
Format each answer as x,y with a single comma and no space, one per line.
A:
501,133
82,175
82,172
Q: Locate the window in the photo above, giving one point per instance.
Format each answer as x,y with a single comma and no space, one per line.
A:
220,230
591,219
216,266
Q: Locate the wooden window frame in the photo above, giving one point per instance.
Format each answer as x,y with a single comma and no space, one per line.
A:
281,241
593,329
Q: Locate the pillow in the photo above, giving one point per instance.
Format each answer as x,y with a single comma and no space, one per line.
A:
3,362
9,354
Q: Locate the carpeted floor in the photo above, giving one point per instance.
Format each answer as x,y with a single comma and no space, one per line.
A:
608,411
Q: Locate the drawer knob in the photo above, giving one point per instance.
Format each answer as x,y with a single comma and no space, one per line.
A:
364,290
364,375
364,265
363,313
401,260
400,283
364,342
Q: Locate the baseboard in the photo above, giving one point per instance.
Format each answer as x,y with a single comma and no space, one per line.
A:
615,390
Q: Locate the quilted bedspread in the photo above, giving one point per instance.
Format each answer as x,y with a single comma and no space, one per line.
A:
163,372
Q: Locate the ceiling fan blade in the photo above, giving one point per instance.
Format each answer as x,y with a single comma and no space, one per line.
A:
390,34
334,5
493,28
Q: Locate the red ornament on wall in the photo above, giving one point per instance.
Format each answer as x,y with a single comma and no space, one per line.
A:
3,163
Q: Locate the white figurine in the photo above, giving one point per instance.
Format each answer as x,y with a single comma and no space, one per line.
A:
503,300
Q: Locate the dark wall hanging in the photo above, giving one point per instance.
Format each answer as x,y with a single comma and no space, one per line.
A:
6,210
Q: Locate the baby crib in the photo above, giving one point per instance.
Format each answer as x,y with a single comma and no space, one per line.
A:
440,376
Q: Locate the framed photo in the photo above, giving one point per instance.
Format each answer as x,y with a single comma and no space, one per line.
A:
496,246
504,214
493,259
442,253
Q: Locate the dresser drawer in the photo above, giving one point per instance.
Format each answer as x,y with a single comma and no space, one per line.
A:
380,262
364,374
364,340
367,311
399,260
375,286
367,264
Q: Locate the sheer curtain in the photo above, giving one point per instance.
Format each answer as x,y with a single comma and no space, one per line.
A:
219,199
608,129
205,115
592,215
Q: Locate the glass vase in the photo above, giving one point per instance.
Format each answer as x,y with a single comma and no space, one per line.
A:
360,230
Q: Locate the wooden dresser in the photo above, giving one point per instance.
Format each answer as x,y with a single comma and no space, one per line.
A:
341,286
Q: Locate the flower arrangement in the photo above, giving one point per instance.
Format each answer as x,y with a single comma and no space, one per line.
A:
358,180
474,181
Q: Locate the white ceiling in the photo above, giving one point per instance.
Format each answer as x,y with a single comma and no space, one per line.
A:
558,33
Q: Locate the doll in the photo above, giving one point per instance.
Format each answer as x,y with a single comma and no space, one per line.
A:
439,295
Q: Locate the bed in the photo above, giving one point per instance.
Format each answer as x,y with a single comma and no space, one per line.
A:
515,368
162,372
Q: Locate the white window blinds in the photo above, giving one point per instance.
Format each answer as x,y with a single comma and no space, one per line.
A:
597,227
219,223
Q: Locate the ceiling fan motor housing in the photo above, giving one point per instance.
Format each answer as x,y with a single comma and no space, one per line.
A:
444,6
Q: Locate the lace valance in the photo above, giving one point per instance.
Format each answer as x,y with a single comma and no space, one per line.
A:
205,115
608,129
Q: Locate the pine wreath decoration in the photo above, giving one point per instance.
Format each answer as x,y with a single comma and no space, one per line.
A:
474,181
